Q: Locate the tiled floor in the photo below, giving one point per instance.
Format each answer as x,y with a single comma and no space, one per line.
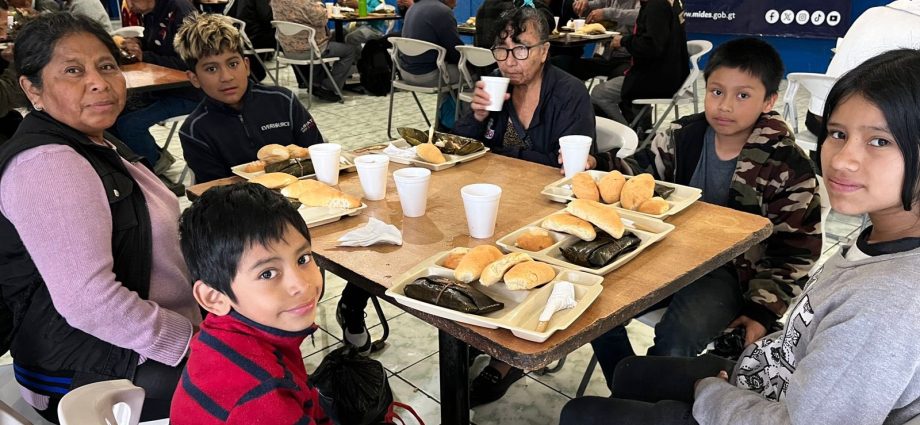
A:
411,351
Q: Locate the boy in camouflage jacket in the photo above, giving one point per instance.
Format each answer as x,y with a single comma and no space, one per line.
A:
771,177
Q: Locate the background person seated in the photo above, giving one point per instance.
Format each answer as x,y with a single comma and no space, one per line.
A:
257,14
312,13
613,62
660,61
543,104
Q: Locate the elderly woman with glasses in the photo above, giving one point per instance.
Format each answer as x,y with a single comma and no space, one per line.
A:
543,103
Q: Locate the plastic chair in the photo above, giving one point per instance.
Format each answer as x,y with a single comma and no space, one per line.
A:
175,121
107,402
684,95
816,85
290,29
477,56
8,416
250,50
611,135
413,47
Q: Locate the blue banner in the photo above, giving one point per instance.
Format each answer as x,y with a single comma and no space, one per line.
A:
781,18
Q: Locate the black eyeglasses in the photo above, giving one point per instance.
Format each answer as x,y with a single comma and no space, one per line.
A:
520,52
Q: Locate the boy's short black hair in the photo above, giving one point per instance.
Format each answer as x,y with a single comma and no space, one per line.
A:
751,55
216,230
890,81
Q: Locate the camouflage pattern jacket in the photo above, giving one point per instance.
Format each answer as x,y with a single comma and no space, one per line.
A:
773,179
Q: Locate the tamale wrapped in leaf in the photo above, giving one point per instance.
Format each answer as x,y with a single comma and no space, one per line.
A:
609,252
580,252
663,191
294,167
453,294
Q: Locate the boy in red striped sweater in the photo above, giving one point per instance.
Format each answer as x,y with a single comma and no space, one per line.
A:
249,252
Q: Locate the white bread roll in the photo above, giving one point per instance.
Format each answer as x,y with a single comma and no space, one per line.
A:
273,153
637,190
534,239
430,153
297,152
529,275
274,180
493,273
655,206
454,256
567,223
610,186
584,187
317,194
603,216
474,262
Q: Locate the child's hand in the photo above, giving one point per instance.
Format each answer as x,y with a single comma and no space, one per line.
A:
723,375
753,329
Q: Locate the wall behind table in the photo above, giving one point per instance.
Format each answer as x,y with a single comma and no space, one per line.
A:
799,54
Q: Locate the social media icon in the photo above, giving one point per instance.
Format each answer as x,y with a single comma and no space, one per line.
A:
772,16
802,17
833,18
787,17
817,18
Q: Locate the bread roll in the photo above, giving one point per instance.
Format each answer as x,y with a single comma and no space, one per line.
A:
493,273
655,206
273,153
584,187
610,186
637,190
274,180
297,152
119,40
603,216
254,167
567,223
316,194
594,28
534,239
453,258
430,153
528,275
475,261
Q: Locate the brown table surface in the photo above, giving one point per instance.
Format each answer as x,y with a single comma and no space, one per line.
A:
142,77
706,236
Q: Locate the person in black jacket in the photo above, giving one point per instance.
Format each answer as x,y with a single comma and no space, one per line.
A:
660,60
257,14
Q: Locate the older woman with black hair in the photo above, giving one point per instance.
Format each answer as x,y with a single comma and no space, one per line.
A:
90,267
543,103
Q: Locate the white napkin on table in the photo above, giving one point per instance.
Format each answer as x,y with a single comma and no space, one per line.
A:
375,232
408,153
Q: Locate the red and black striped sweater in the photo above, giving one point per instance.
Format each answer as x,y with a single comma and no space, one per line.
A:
241,372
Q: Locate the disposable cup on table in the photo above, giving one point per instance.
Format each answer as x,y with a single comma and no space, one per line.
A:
372,172
325,157
412,187
557,22
496,87
574,151
577,24
480,202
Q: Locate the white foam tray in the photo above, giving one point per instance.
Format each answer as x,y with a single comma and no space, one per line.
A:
522,309
346,164
418,162
318,216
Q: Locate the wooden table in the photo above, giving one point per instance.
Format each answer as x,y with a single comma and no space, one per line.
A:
564,39
371,17
143,77
706,237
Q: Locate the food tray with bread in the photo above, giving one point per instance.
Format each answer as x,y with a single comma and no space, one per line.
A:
587,236
644,195
434,288
290,159
319,203
449,159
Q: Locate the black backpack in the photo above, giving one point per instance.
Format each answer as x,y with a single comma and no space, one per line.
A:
376,67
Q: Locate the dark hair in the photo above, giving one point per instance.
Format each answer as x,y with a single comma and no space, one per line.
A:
513,22
36,41
751,55
890,81
216,230
4,6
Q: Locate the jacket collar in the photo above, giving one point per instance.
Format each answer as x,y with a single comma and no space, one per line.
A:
40,123
237,323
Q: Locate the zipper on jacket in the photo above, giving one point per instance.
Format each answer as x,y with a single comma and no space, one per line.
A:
246,130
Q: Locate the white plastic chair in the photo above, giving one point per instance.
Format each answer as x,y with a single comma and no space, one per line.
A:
477,56
8,416
413,47
175,121
116,402
684,95
816,85
290,29
250,50
611,134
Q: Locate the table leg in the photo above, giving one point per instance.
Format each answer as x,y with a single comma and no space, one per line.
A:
339,31
455,384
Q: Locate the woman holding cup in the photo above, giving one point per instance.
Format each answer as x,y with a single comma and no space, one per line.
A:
540,103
